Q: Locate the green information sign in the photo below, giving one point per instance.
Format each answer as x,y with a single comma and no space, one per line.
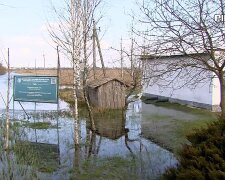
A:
43,89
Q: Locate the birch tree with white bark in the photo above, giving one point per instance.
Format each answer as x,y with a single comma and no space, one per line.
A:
72,33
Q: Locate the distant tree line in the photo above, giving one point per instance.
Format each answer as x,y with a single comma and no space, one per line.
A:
2,69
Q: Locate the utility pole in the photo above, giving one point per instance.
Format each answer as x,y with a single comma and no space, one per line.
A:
94,50
44,60
121,57
35,67
7,106
58,76
131,58
99,51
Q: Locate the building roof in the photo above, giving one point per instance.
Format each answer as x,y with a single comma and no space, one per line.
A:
150,57
98,82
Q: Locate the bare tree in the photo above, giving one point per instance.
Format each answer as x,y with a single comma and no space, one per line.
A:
73,35
67,35
88,24
189,28
131,67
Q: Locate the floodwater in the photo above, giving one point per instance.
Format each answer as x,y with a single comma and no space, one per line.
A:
116,151
27,105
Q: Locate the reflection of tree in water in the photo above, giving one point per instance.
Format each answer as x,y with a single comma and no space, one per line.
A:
77,137
111,126
108,125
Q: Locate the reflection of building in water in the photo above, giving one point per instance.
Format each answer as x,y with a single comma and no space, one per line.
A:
111,127
134,110
150,159
136,107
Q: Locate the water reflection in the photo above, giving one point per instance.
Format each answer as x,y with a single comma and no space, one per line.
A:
111,127
116,148
117,137
26,105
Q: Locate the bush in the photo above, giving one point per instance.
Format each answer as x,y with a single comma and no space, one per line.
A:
205,158
2,69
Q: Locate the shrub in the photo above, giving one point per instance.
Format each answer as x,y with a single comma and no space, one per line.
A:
205,157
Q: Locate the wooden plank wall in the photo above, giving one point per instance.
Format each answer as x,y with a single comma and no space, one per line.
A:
93,96
111,95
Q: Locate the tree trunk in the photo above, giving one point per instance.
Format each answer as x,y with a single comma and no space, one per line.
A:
222,95
89,110
85,72
75,96
75,110
121,57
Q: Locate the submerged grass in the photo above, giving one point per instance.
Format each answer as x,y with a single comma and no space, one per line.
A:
39,125
50,114
11,166
171,130
179,107
66,95
108,168
44,157
204,159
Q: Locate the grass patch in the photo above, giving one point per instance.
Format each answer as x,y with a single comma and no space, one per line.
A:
39,125
204,158
66,95
2,69
179,107
108,168
44,157
184,108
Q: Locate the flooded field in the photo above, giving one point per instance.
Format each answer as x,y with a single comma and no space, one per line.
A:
169,124
115,151
136,144
44,146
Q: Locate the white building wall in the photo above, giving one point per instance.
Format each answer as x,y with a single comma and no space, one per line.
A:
205,93
201,94
215,92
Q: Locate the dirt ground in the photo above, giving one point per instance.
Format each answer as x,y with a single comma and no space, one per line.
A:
66,74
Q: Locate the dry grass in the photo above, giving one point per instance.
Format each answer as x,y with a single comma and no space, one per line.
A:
2,69
112,73
66,74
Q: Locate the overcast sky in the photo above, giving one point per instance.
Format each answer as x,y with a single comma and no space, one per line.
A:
23,30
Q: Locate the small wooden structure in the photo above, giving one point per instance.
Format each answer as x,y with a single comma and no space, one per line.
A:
107,93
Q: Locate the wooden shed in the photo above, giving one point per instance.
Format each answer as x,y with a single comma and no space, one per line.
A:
107,93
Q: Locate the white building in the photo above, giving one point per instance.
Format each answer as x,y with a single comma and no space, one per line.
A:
177,79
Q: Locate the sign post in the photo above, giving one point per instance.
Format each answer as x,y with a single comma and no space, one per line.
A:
37,89
41,89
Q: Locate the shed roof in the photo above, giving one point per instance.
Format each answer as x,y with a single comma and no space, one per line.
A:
98,82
